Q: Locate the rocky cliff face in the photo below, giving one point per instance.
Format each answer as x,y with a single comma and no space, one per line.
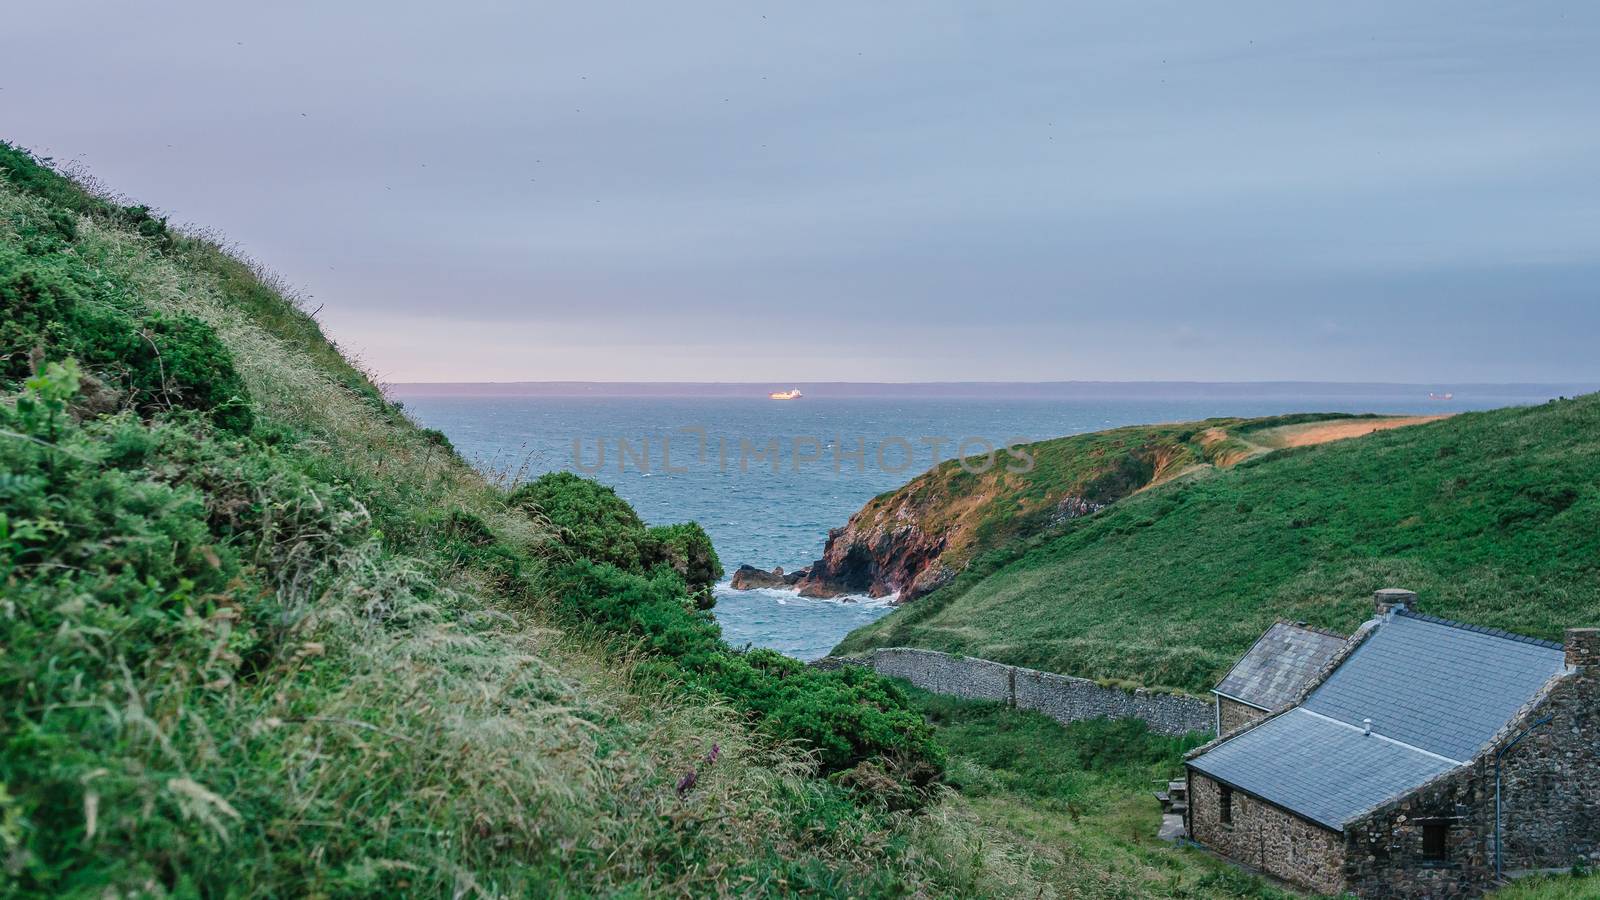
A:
878,555
888,547
889,550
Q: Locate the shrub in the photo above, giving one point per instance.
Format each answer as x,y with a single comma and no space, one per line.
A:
655,608
51,307
687,549
593,521
33,308
185,364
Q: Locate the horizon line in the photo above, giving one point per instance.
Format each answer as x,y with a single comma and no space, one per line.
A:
1005,382
1436,392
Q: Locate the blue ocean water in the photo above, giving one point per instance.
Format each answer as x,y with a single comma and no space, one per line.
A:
767,479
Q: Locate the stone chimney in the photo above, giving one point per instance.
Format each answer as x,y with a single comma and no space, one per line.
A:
1583,647
1388,598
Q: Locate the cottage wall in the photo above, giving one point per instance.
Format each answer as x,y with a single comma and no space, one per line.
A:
1233,714
1384,852
1266,837
1550,782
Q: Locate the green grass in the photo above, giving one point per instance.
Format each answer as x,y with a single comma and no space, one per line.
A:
1080,799
1493,517
1576,886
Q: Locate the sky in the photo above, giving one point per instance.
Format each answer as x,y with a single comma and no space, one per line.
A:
885,191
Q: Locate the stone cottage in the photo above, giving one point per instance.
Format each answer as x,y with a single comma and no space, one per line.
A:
1273,673
1427,758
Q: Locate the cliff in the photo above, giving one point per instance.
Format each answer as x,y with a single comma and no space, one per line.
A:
915,539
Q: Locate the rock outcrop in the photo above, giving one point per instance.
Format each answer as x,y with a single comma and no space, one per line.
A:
748,577
877,556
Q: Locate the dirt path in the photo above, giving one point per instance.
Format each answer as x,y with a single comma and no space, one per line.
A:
1339,429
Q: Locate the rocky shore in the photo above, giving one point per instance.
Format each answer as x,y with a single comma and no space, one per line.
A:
862,558
748,578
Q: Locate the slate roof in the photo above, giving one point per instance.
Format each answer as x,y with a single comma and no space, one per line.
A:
1282,662
1437,685
1436,692
1322,769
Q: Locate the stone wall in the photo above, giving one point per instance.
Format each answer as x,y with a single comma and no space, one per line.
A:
1062,697
1068,699
1233,714
957,676
1550,781
1267,838
1384,853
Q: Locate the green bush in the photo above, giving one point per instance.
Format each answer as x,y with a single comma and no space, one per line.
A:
656,609
51,307
34,305
687,549
594,523
185,364
120,569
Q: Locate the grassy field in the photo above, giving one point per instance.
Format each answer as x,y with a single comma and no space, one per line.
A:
1493,517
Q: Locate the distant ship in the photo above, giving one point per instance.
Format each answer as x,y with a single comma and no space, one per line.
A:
1433,396
790,394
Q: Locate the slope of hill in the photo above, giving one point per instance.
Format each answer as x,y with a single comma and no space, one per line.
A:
1493,517
261,635
912,540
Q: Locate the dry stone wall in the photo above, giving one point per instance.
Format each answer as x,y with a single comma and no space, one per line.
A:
1062,697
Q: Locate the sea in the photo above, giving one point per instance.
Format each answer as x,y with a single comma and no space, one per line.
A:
767,479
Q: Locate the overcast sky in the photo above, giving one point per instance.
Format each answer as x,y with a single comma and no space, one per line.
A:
909,191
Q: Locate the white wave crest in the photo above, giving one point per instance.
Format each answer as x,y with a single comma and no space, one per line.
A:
787,595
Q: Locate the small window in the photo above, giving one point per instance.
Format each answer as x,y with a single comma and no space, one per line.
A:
1225,806
1436,841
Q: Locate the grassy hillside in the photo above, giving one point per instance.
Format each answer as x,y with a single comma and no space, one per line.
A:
260,635
980,512
1493,517
914,539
